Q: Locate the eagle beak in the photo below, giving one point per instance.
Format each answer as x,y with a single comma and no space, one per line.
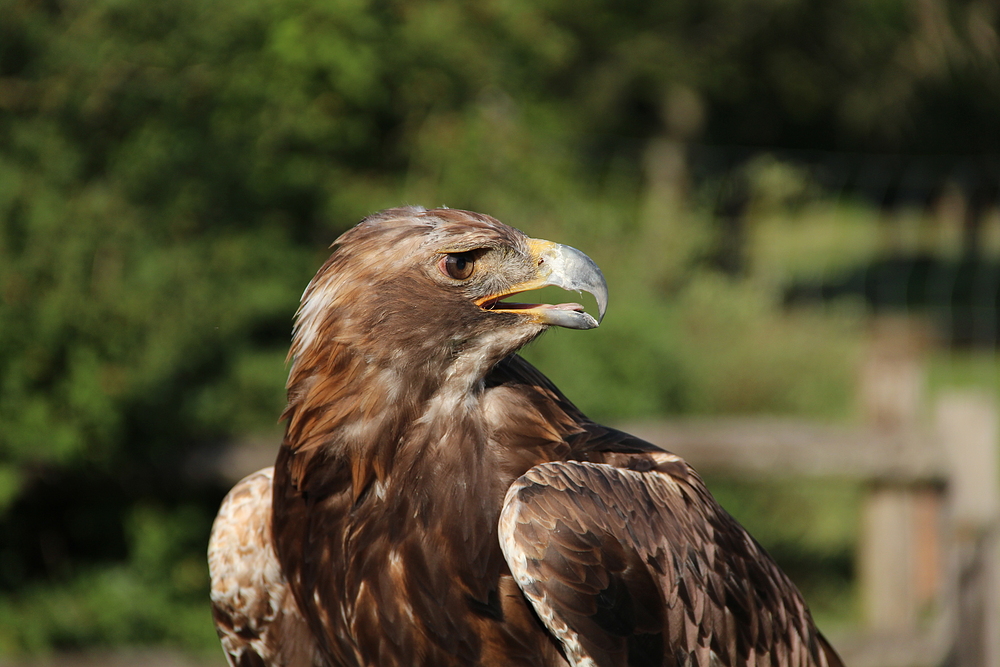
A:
570,269
558,266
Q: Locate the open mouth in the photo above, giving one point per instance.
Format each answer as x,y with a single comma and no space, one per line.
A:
569,315
497,304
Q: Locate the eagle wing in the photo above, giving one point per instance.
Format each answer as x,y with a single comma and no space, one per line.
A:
255,613
632,562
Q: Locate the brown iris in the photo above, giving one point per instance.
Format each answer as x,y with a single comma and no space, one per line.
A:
458,265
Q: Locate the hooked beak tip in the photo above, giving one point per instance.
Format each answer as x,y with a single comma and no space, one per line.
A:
571,269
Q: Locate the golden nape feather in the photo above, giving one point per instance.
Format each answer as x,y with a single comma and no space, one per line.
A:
436,501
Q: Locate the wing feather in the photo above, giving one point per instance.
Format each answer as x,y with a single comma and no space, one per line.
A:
255,614
636,564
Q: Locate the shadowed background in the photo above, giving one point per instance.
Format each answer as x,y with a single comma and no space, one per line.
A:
765,184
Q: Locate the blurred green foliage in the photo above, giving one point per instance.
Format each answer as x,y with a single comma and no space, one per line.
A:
158,596
171,173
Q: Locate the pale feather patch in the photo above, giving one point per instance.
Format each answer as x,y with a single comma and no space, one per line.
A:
462,385
359,430
665,457
315,300
398,574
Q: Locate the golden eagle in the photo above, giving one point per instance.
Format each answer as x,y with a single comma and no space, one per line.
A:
436,501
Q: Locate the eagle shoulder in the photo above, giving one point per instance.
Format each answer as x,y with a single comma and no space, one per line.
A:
255,613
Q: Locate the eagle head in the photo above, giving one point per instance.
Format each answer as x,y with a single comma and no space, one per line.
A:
415,286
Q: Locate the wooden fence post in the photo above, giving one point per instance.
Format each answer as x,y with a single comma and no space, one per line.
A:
899,558
969,428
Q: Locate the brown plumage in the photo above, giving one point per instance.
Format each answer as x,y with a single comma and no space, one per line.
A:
437,501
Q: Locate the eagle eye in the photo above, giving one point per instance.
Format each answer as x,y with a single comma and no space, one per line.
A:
458,265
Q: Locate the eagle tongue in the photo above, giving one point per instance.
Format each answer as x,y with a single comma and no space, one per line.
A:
510,305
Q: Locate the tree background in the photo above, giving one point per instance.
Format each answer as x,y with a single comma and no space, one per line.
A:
172,173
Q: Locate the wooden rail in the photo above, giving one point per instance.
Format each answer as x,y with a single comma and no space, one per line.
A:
765,447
